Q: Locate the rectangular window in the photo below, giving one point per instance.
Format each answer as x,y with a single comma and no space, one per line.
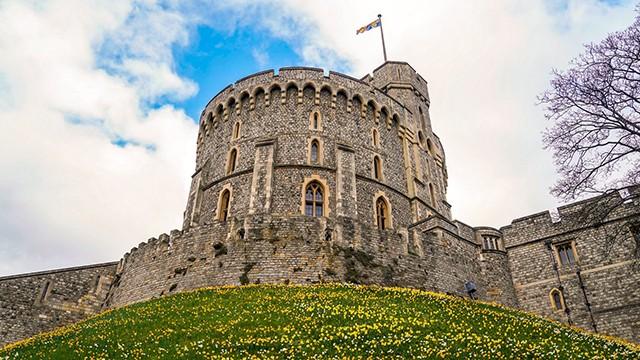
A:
566,254
490,242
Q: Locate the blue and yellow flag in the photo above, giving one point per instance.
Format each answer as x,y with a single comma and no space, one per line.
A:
369,26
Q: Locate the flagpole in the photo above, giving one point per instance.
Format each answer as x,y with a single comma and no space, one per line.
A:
384,49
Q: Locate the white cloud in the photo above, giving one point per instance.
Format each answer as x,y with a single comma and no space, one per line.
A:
76,76
260,56
68,196
485,61
157,79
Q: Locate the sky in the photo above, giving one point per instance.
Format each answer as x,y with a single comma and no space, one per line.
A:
99,102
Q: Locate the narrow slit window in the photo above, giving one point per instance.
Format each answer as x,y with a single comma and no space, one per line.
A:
224,205
236,131
231,167
44,292
557,301
314,151
315,120
96,284
377,168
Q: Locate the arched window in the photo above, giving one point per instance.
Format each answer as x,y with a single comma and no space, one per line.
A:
382,214
384,116
236,131
313,200
259,97
421,138
395,120
315,120
557,300
231,165
432,194
429,147
231,106
223,212
315,148
375,139
377,168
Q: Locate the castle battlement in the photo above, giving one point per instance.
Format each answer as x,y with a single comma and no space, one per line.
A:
301,77
571,217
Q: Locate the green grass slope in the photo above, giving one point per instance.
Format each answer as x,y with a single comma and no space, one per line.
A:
323,321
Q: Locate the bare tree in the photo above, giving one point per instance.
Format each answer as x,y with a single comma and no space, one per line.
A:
594,107
594,110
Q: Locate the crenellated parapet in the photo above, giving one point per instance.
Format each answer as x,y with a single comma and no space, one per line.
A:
301,250
267,88
592,212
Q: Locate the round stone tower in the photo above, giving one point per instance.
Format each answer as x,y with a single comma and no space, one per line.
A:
299,143
305,176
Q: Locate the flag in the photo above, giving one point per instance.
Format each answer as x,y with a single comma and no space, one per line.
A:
369,26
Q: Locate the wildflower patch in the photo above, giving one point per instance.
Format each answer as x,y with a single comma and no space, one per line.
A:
319,321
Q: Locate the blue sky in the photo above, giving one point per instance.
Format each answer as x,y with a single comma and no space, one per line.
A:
212,50
216,57
99,102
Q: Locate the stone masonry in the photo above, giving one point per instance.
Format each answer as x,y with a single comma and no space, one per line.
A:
304,176
42,301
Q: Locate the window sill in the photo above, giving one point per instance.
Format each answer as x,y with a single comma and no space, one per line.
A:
495,251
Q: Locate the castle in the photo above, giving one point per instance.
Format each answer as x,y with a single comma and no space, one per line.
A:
304,176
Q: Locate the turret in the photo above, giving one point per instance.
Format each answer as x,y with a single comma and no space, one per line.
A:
427,160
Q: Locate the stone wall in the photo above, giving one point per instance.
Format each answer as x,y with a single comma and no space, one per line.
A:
42,301
296,249
605,257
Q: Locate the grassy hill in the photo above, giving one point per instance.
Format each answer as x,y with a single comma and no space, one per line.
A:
316,321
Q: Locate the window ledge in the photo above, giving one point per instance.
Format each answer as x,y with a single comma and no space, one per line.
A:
496,251
568,267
